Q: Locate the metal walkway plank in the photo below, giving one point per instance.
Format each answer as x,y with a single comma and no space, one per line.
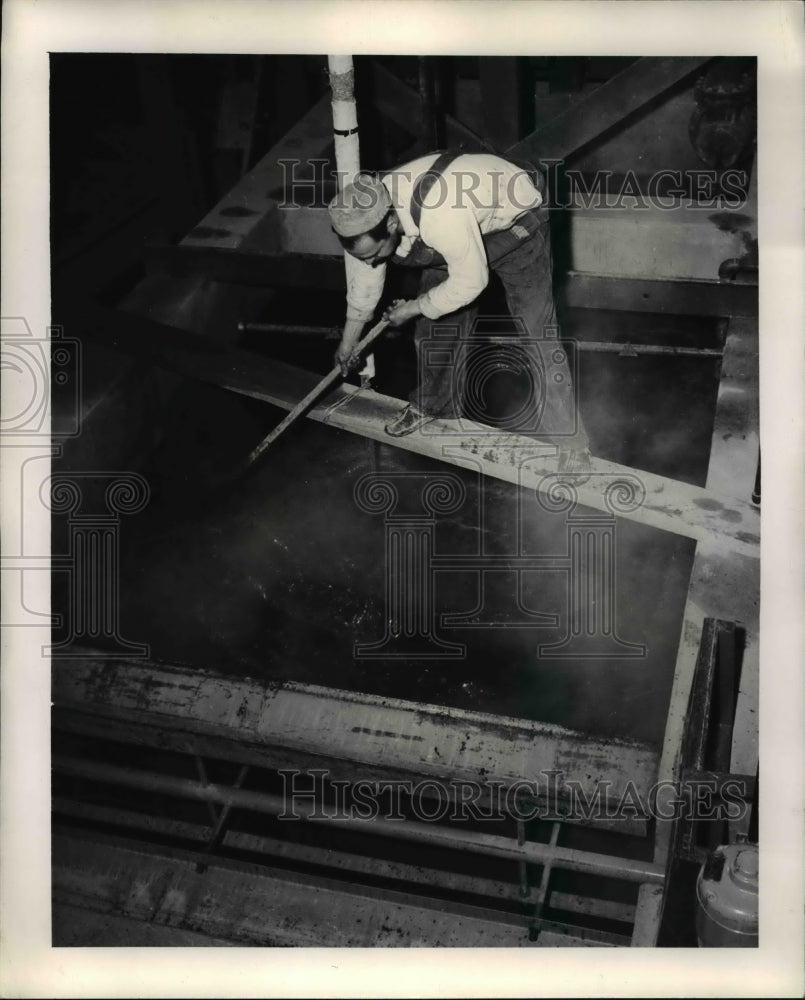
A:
720,523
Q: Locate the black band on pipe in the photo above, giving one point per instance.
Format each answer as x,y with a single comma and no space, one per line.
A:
341,131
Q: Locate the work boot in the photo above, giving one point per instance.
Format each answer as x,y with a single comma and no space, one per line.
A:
410,420
574,466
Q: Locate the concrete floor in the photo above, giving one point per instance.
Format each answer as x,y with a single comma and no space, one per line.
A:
278,574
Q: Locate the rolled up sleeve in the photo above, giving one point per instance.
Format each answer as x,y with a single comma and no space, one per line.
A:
364,287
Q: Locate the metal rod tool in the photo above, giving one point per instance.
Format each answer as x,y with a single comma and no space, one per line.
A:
314,393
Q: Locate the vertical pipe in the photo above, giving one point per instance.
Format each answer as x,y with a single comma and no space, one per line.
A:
345,118
542,892
347,144
218,832
201,770
521,865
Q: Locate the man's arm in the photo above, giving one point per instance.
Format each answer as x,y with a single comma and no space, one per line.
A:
364,288
455,234
346,347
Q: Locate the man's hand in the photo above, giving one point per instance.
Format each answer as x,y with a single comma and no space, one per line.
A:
346,357
401,310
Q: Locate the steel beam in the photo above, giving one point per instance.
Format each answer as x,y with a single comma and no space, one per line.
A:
607,107
723,584
625,350
322,856
577,290
648,914
672,296
175,706
736,428
246,216
341,861
257,906
721,522
76,926
684,240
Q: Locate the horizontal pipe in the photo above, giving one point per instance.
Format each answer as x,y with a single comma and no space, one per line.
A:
542,891
629,350
627,869
273,848
329,332
595,347
342,861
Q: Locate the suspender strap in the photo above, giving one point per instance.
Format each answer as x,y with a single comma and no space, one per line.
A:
427,180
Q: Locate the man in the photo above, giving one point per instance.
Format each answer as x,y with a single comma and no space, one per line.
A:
456,216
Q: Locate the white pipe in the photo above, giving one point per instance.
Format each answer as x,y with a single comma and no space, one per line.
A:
345,118
347,144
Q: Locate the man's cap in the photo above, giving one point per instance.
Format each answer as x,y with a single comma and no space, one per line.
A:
359,206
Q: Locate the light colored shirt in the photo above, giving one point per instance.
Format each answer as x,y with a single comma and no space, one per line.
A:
477,194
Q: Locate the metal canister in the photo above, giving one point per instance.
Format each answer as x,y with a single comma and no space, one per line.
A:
727,898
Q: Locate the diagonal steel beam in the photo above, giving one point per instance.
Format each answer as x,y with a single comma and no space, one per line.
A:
607,107
239,218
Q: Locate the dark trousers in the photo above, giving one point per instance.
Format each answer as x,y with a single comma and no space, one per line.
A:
521,257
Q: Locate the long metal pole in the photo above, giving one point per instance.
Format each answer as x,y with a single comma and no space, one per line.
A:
313,395
626,869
